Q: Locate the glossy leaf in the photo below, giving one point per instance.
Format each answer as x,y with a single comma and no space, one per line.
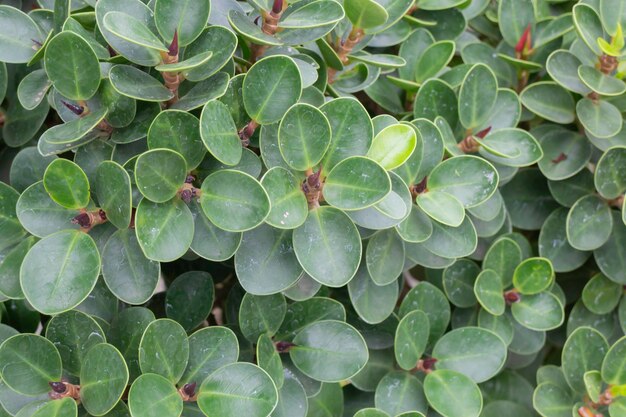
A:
152,392
103,378
452,394
164,350
67,184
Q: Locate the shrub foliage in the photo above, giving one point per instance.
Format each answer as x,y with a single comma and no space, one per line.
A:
312,208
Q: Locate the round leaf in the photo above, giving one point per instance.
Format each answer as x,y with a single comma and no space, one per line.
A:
187,19
152,394
289,205
164,350
178,131
453,394
489,292
329,351
113,188
67,184
134,83
103,379
271,86
328,234
411,339
261,315
365,14
601,118
589,223
189,299
159,174
400,392
533,276
373,303
234,201
60,271
19,36
303,136
541,311
219,133
477,96
584,351
393,145
613,367
550,101
210,348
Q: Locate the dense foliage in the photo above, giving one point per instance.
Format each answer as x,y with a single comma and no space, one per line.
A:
317,208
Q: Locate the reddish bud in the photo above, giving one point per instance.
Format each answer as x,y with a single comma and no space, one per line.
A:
483,133
186,196
58,387
562,157
83,220
429,364
103,215
511,297
314,180
173,49
277,7
190,389
421,187
190,179
524,40
74,108
282,347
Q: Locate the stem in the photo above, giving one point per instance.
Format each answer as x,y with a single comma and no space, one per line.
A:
344,50
88,219
246,133
269,27
64,389
172,80
312,188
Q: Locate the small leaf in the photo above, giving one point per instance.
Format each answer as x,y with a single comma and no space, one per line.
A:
533,276
219,133
303,136
159,173
393,145
541,311
365,14
164,350
152,394
103,378
67,184
411,339
453,394
477,96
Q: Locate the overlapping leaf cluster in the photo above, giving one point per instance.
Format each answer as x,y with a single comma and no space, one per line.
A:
368,208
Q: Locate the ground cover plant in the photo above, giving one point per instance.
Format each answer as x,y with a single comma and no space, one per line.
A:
313,208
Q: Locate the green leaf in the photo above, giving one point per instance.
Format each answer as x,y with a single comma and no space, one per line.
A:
477,96
65,264
458,282
219,133
125,334
268,359
486,350
73,333
541,311
564,143
67,184
365,14
303,136
210,348
159,174
19,36
280,268
10,269
114,192
152,394
584,351
178,131
589,223
411,339
189,299
103,379
503,257
434,59
351,127
329,351
528,199
601,118
429,299
164,230
11,231
609,178
399,392
470,179
36,211
613,366
552,400
452,394
511,147
550,101
188,19
129,275
489,290
452,242
29,363
588,26
513,18
72,66
32,89
261,315
164,350
271,86
302,313
417,227
209,241
563,66
601,295
289,206
328,234
601,83
238,389
234,201
63,407
533,276
132,30
220,41
356,183
370,412
70,133
313,14
134,83
435,98
244,26
393,145
384,257
292,400
373,303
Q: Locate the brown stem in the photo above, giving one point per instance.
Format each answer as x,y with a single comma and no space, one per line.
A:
344,49
469,145
522,81
269,27
617,202
246,133
88,219
188,392
607,64
312,188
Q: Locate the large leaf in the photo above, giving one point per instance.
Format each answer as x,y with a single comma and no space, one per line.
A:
152,394
159,174
238,389
164,350
329,351
584,351
67,184
453,394
103,379
219,133
477,96
20,37
234,201
178,131
271,86
60,271
187,19
328,233
303,136
29,363
72,66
